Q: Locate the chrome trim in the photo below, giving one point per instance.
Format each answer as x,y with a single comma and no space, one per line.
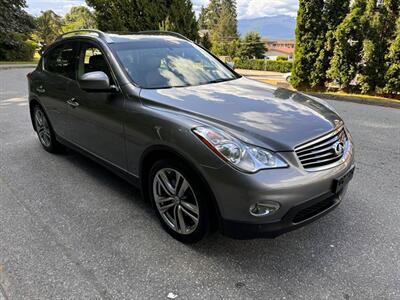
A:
329,138
347,147
321,138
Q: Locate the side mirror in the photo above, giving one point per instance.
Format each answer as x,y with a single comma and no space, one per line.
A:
95,82
231,64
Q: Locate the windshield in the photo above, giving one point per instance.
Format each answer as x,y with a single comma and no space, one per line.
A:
164,63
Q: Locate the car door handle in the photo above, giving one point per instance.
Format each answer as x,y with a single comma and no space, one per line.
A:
40,89
72,102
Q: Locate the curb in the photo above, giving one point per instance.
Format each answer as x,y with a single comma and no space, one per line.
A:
9,67
385,103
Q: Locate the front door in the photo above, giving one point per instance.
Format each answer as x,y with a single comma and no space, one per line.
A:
95,117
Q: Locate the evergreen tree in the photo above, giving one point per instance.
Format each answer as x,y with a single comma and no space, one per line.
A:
139,15
213,12
333,14
222,20
205,41
203,18
392,76
346,61
252,46
182,19
379,28
226,28
132,15
308,41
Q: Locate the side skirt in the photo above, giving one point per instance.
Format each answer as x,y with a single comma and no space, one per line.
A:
129,177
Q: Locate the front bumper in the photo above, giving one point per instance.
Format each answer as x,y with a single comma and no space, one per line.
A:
296,217
297,191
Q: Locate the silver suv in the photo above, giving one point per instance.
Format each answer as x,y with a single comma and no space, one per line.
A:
208,148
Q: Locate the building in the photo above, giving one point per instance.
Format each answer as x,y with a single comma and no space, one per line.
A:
280,48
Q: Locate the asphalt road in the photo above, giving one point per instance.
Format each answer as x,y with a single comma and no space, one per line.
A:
71,229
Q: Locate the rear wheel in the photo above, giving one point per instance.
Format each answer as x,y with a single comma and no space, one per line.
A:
44,130
179,201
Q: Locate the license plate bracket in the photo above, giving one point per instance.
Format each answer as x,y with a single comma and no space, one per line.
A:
340,182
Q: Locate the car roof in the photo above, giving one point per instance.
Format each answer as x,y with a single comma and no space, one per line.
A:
111,38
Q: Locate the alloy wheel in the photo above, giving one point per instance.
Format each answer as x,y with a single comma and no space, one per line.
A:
176,201
42,128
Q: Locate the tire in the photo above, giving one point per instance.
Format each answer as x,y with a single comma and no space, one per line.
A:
179,199
45,131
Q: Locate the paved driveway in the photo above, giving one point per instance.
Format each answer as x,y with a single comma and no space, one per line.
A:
71,229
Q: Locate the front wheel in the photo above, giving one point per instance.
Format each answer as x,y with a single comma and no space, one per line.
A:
179,200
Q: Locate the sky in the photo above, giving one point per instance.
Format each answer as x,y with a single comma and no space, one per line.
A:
247,9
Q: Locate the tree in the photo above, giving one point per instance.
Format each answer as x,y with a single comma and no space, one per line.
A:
252,46
182,19
334,12
48,27
221,19
213,12
79,17
225,30
15,28
379,28
132,15
308,41
203,18
205,40
346,61
392,76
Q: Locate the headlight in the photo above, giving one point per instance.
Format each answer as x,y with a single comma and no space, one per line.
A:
245,157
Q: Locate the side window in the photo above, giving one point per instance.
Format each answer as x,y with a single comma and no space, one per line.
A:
62,60
91,59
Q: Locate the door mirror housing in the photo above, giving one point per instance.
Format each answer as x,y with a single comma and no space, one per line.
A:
95,82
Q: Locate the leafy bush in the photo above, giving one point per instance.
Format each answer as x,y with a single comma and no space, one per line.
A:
281,58
17,48
23,51
263,65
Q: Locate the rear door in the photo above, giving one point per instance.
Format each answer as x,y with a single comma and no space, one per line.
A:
52,86
96,117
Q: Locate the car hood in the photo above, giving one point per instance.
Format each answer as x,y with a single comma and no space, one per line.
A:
255,112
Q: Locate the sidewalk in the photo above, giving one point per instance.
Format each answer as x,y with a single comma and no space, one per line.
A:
274,78
17,66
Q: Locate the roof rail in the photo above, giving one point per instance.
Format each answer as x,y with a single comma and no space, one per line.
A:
99,33
161,32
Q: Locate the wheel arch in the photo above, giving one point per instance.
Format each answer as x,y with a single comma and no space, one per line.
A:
158,152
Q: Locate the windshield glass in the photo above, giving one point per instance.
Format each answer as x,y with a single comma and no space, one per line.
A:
169,62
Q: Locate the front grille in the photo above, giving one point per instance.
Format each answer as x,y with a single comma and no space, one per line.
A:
323,151
313,210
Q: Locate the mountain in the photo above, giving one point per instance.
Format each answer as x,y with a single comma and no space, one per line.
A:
275,27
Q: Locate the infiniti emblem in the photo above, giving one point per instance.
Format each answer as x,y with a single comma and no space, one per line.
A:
338,148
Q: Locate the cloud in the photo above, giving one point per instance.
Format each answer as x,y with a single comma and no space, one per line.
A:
247,9
60,7
255,8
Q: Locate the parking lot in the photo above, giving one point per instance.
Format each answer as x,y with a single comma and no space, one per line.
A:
71,229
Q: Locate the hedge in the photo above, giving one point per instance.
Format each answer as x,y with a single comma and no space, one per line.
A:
263,65
18,51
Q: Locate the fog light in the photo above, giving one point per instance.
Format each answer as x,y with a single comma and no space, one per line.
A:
264,209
